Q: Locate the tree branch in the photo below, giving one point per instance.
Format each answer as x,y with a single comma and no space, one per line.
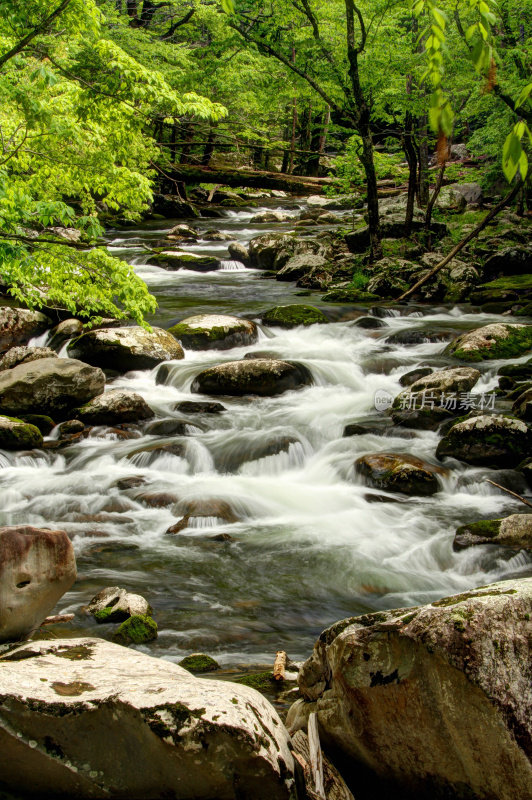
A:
35,32
170,32
30,241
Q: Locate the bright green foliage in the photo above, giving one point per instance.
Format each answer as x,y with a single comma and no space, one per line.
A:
348,171
73,149
485,21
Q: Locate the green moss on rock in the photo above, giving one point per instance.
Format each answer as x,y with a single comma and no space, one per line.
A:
293,315
15,434
350,294
199,662
261,681
137,629
44,423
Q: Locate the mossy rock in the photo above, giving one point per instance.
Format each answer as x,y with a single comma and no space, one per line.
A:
293,315
496,341
525,311
488,440
15,434
136,630
44,423
349,294
514,531
199,662
214,332
261,681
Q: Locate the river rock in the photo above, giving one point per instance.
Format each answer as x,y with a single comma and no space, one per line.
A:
293,315
299,266
272,251
15,434
51,386
113,722
514,531
431,702
197,407
174,207
115,604
414,375
399,472
18,326
270,216
523,405
183,232
181,259
125,349
510,261
65,330
238,252
261,377
115,407
433,398
37,567
498,340
214,332
487,441
23,355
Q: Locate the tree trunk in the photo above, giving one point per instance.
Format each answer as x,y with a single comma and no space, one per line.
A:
372,196
209,148
187,147
432,201
423,183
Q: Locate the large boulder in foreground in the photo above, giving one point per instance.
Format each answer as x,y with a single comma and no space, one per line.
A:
37,567
264,377
18,326
113,408
15,434
487,441
431,702
112,722
214,332
399,472
124,349
514,531
499,340
51,386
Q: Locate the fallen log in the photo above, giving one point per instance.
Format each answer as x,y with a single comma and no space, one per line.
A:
253,179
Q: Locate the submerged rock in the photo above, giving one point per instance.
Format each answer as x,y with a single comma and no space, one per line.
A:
125,349
115,407
51,386
431,702
37,567
399,472
15,434
23,355
514,531
499,340
112,722
487,441
18,326
257,376
293,315
523,405
197,407
214,332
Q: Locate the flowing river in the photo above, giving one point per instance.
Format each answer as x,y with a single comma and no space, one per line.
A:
311,543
